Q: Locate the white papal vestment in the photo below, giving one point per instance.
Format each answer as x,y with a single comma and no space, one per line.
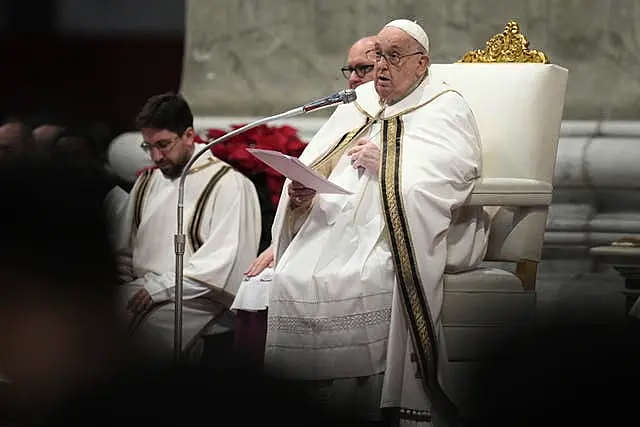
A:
357,288
222,230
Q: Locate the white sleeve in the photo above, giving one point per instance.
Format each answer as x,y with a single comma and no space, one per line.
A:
230,234
162,287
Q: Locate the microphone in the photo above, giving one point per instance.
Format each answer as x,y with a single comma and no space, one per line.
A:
344,96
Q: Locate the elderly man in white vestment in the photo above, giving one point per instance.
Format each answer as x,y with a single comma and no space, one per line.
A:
355,305
222,227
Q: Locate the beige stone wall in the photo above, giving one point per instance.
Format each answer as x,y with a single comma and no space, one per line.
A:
259,57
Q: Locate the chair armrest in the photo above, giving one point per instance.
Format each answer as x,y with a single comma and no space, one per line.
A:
511,192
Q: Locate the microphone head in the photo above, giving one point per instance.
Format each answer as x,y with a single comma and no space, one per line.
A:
347,95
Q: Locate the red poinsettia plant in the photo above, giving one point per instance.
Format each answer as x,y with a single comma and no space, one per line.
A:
233,151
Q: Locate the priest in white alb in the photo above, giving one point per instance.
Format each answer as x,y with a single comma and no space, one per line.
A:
221,224
356,299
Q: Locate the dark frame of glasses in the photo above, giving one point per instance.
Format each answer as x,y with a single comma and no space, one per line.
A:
361,70
163,146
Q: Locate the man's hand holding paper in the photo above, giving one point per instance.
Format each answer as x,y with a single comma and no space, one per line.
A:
301,196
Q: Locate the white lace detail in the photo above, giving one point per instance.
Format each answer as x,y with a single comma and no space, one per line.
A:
305,325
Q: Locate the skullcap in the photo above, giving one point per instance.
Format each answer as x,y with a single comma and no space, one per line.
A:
413,29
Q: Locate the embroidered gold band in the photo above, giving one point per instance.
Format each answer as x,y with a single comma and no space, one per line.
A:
195,239
323,164
139,198
405,262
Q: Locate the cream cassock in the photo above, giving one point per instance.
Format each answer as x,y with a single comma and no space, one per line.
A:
222,230
358,283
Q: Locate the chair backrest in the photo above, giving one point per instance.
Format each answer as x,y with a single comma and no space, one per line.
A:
518,99
518,108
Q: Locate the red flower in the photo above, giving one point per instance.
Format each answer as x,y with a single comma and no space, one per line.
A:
275,183
215,133
144,169
234,151
275,199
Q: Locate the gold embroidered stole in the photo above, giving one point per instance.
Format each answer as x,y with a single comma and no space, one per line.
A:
195,239
196,220
324,166
145,179
405,260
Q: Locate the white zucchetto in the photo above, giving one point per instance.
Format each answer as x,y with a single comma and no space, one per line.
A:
413,29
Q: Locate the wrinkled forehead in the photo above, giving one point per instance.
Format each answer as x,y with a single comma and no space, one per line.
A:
395,38
361,58
361,54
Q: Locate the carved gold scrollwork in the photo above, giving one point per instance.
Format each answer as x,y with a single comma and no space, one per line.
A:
508,46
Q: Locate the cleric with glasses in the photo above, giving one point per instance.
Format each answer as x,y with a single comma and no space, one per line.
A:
161,144
361,70
360,62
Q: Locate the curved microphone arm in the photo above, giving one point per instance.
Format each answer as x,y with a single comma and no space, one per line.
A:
179,241
344,96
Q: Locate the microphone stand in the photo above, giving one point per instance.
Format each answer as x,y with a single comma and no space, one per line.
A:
179,239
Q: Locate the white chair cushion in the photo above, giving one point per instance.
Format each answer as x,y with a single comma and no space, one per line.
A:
482,308
482,278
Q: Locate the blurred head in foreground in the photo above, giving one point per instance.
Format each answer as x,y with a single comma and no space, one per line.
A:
58,327
16,140
62,346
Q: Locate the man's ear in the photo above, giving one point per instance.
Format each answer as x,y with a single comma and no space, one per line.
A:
423,64
189,135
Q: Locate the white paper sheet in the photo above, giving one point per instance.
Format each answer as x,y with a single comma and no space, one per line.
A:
295,170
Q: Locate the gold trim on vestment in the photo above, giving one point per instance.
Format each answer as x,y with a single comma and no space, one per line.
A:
414,108
210,161
337,150
145,178
363,111
406,267
142,189
324,166
195,239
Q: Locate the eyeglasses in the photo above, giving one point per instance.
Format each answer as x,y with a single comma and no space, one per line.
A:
164,145
394,58
361,70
